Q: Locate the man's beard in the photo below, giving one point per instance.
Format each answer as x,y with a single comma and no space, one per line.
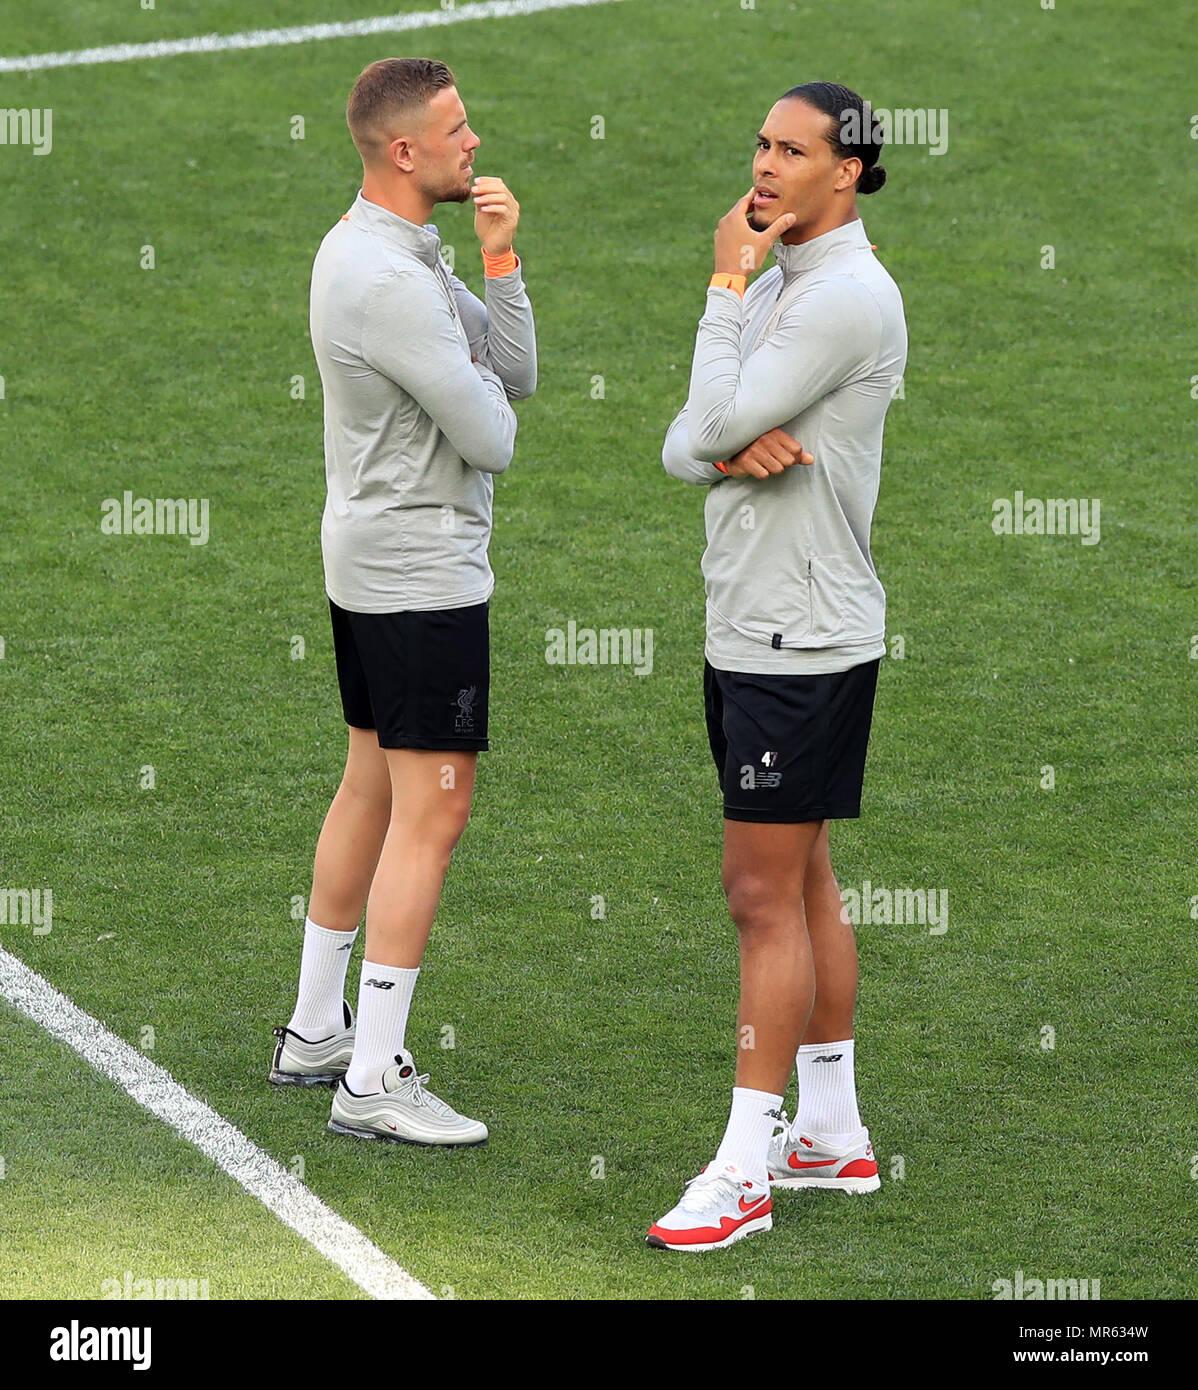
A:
458,192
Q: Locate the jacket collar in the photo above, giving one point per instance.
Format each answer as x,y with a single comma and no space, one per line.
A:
423,242
795,260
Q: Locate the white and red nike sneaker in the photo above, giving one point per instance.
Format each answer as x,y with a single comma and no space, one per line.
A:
804,1160
719,1207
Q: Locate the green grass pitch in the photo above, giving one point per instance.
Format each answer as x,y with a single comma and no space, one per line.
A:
604,1044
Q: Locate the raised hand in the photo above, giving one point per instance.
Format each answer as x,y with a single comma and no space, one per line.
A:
496,215
739,250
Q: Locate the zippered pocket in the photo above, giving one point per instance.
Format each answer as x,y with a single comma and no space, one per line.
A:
846,602
826,595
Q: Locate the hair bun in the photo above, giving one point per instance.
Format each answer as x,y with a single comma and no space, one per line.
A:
871,179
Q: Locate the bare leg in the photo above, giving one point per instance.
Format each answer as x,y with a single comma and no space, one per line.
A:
833,947
352,836
430,803
763,874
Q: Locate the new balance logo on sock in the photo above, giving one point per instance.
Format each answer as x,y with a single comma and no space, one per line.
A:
836,1056
381,984
774,1114
350,947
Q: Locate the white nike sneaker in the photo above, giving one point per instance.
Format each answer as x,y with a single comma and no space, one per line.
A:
805,1160
719,1207
403,1111
299,1062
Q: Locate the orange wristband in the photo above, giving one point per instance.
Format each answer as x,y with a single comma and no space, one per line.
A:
723,467
722,281
503,264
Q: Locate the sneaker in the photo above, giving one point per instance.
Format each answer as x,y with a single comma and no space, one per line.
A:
403,1111
298,1062
719,1207
803,1160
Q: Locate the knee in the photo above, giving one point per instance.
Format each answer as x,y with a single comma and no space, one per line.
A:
753,901
819,877
371,793
440,829
453,824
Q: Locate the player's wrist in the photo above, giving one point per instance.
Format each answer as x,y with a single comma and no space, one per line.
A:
726,280
497,263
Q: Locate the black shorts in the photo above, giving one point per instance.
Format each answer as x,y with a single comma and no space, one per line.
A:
790,748
420,679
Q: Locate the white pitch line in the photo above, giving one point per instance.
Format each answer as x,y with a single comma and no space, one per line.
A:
304,33
152,1087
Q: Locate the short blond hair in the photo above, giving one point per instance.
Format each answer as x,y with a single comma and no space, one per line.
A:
388,88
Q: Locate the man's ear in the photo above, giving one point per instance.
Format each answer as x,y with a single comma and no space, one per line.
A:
399,154
848,173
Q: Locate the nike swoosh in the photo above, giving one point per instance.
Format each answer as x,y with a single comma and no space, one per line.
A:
749,1206
815,1163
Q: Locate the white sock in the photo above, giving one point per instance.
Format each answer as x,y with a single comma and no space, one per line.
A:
325,957
827,1093
746,1141
384,998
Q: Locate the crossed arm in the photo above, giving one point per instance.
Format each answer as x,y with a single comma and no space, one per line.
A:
735,408
411,336
502,332
770,453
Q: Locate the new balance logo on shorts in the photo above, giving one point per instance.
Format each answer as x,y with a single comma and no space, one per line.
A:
751,778
835,1057
382,984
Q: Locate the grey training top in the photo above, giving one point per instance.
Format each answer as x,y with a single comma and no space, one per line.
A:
817,348
413,429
